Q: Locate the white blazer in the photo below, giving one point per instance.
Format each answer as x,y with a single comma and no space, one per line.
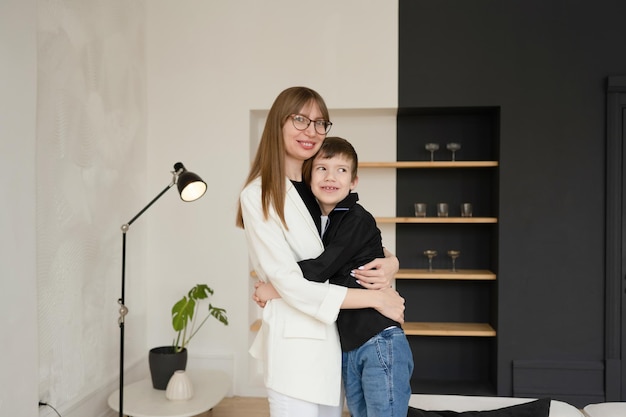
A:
298,341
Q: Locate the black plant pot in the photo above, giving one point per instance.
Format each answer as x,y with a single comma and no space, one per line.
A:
164,361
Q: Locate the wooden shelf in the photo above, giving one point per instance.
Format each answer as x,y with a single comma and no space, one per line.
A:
448,329
432,329
437,220
429,164
460,274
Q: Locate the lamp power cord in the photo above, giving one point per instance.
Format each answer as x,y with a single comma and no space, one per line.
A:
43,404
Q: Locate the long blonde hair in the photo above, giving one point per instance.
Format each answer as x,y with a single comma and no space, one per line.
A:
269,162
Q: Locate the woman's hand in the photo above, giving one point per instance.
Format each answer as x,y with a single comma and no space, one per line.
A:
263,292
391,304
378,273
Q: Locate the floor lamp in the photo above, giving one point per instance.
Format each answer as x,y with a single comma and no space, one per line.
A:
190,187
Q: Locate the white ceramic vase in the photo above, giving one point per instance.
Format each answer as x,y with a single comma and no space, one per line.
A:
179,387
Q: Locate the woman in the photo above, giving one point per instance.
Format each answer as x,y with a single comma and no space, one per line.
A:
298,341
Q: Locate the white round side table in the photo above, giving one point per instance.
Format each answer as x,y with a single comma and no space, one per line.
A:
141,400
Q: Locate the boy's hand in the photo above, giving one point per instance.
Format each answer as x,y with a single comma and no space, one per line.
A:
263,292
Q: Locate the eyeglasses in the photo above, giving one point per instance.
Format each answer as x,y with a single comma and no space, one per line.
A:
301,122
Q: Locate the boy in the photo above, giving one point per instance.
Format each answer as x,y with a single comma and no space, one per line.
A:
377,362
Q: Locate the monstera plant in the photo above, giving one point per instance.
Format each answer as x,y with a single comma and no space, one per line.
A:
188,316
185,320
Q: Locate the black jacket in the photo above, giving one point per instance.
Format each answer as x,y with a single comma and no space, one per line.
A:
352,239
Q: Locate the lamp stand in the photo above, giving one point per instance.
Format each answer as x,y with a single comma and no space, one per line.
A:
123,310
190,187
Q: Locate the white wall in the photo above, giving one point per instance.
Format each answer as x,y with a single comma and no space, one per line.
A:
209,65
18,293
91,175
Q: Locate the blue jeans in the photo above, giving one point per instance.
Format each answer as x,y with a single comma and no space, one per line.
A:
377,376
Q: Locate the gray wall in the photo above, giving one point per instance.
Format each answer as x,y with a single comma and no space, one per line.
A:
545,64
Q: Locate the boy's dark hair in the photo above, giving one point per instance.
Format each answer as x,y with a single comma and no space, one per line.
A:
332,146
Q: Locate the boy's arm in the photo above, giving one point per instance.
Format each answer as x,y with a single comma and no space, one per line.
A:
350,240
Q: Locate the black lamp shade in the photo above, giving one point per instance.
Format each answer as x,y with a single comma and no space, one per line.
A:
190,186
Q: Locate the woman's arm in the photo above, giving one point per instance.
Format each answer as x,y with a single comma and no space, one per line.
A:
274,260
378,273
273,252
387,301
